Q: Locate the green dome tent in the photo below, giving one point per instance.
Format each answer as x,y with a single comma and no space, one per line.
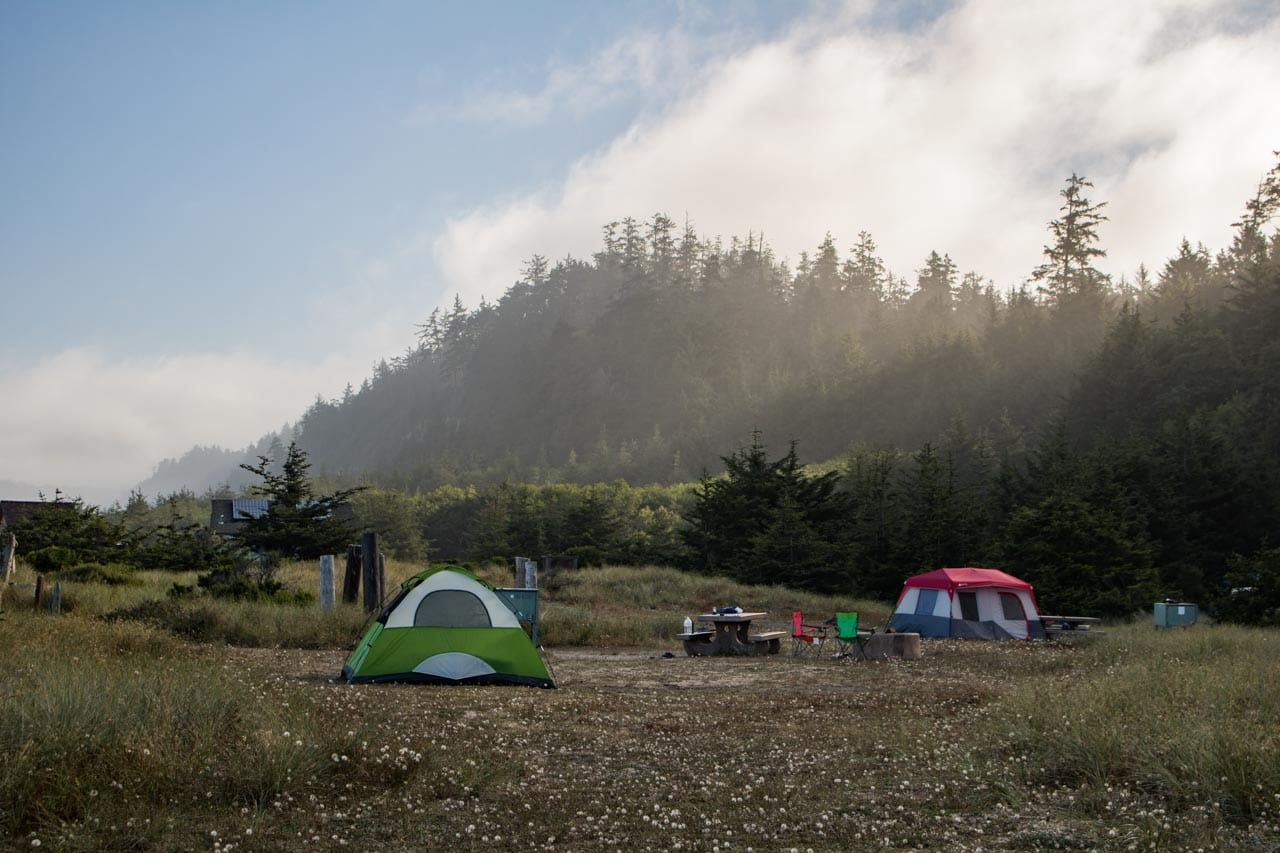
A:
446,626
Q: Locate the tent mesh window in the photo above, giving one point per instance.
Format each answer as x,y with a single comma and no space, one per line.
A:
1012,607
925,602
969,606
451,608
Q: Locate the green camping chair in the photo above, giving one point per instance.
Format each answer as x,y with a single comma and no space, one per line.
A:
848,638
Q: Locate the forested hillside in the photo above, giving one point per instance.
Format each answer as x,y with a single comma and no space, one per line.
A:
661,352
1110,440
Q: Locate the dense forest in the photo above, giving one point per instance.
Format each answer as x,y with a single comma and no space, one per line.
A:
1110,440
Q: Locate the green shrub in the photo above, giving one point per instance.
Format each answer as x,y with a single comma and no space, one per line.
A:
111,574
1254,590
194,621
252,579
245,589
54,558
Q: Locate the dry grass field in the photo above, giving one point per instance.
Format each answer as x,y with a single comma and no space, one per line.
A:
120,735
637,751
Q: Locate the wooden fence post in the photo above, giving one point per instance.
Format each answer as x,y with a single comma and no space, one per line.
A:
39,591
351,581
326,582
7,563
369,560
382,577
55,600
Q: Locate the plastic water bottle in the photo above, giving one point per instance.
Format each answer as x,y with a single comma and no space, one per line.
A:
688,625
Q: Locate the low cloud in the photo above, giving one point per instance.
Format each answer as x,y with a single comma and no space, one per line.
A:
93,425
954,136
644,65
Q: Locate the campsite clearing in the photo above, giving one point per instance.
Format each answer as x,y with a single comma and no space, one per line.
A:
641,751
976,745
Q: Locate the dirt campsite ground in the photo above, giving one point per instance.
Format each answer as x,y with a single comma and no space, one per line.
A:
652,750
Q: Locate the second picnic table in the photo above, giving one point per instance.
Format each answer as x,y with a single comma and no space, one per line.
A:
732,635
1055,627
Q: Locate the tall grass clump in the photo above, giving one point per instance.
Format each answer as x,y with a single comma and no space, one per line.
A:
86,592
1186,715
303,576
254,624
122,726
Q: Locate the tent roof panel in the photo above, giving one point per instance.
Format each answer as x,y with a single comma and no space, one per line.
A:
954,579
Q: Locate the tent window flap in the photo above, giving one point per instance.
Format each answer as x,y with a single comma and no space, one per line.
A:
927,600
1012,607
969,606
451,608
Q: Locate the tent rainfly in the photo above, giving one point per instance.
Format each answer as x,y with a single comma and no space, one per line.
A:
977,604
446,626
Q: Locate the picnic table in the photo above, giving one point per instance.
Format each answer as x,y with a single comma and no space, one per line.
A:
1056,626
731,635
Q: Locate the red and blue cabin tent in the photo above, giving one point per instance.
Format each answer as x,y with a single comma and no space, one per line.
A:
977,604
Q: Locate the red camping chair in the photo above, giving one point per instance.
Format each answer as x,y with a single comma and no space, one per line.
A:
806,638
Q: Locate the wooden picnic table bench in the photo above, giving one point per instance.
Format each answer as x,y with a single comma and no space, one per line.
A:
732,635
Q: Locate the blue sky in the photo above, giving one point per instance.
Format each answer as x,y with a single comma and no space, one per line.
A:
176,160
211,213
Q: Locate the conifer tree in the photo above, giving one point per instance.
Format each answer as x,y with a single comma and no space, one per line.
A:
1068,275
298,523
766,522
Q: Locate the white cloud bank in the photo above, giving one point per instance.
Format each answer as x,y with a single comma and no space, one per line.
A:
956,136
93,425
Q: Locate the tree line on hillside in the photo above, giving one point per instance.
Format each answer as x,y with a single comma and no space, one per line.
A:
645,361
1109,440
1155,474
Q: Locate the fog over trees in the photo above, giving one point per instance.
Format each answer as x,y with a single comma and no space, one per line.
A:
1115,436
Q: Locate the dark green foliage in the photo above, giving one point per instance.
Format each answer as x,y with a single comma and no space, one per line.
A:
196,622
178,545
112,574
82,530
52,558
298,523
400,532
247,579
1252,594
765,521
65,533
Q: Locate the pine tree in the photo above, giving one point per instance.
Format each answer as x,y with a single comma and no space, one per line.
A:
298,523
766,522
1250,242
1069,276
932,302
